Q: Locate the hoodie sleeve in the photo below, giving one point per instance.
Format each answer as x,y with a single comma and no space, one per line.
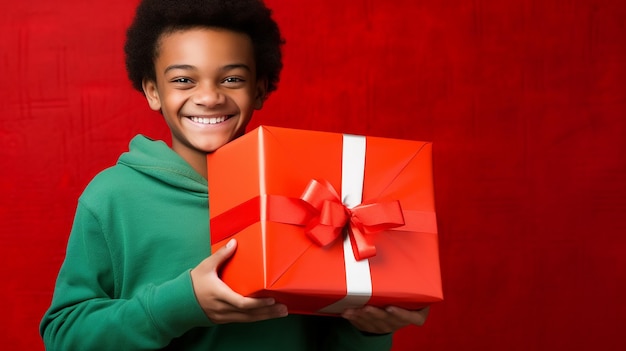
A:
85,315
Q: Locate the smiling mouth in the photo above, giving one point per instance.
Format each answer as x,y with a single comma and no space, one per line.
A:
208,120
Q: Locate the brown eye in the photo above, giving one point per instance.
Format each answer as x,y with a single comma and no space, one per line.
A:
233,80
182,80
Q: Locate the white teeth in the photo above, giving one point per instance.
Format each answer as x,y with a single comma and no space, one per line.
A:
208,120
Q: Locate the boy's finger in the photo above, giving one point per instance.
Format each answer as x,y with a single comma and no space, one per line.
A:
225,252
417,317
242,303
268,312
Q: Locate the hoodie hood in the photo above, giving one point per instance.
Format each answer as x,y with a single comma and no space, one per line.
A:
156,159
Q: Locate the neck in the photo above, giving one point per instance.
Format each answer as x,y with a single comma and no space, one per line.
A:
197,160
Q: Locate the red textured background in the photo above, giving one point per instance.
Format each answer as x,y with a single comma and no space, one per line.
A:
525,102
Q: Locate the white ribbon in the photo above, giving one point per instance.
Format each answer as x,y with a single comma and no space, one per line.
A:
358,278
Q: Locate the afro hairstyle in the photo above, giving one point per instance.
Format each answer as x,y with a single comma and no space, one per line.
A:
156,17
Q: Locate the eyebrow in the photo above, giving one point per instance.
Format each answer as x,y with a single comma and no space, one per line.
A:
193,68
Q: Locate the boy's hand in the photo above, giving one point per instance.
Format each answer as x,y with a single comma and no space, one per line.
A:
381,321
220,303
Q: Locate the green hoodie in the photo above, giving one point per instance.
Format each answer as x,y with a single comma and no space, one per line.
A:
139,228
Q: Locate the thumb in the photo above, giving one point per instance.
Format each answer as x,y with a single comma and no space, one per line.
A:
223,254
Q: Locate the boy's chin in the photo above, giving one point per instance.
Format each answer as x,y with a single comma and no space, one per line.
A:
209,149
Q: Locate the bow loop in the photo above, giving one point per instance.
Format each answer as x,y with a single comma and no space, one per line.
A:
333,218
379,216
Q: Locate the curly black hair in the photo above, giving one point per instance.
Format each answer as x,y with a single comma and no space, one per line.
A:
156,17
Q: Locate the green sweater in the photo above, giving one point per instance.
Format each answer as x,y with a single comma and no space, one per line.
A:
139,228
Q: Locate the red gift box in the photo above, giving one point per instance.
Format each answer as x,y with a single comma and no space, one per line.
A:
326,221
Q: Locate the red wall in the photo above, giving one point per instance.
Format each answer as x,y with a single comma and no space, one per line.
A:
525,101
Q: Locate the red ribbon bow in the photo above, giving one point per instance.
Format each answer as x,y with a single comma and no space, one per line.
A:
321,212
333,217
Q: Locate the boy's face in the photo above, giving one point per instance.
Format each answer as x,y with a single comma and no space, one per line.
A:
206,88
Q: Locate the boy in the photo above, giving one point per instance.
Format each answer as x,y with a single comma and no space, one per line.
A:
139,273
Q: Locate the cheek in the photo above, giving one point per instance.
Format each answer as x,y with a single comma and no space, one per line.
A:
246,101
173,101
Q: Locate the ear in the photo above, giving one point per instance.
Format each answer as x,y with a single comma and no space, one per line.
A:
261,93
152,94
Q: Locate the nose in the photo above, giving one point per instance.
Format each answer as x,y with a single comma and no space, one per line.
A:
208,95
